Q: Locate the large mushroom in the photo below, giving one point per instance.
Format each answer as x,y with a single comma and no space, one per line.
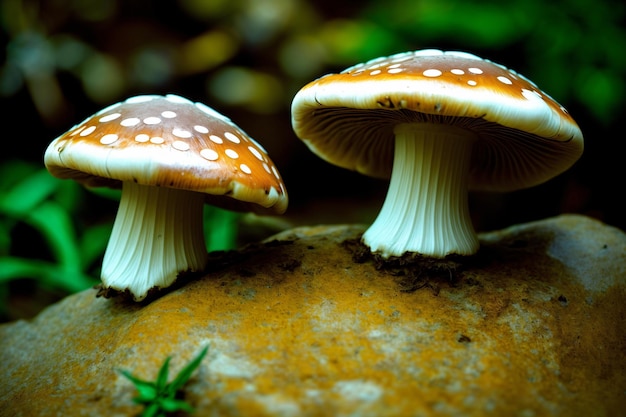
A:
170,156
437,123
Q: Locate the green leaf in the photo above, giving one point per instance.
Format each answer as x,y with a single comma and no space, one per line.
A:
69,195
47,273
147,394
14,267
161,381
159,397
171,404
12,171
186,372
147,390
28,193
68,279
153,410
56,225
132,378
106,192
220,228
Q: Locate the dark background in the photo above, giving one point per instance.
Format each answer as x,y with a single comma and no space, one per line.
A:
62,61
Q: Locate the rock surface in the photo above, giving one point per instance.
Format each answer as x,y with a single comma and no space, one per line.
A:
295,327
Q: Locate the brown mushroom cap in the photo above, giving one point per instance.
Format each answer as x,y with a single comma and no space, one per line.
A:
169,141
524,136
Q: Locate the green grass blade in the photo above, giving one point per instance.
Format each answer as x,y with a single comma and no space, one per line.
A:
55,224
28,193
171,404
147,391
220,228
12,171
48,274
12,268
161,381
186,372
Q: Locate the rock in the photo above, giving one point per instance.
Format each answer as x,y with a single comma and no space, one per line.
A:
533,326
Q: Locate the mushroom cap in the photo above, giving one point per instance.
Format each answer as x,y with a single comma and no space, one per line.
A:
525,136
169,141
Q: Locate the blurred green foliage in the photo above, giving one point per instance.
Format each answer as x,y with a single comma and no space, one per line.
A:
31,198
63,60
573,48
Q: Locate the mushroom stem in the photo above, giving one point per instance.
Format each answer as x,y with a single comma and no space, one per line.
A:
157,234
426,208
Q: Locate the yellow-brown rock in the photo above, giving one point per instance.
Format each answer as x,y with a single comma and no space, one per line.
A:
534,326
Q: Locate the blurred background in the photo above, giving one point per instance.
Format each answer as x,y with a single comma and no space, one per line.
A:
63,60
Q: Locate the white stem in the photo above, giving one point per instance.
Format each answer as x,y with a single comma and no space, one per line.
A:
157,234
426,209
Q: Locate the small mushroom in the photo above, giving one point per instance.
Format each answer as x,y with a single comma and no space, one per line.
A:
170,156
437,124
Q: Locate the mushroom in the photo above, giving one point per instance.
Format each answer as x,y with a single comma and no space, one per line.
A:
437,124
170,156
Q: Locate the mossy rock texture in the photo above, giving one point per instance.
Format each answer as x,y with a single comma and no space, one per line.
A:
298,325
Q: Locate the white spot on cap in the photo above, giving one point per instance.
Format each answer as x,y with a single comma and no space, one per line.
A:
200,129
258,145
181,133
504,80
157,140
275,171
152,120
131,121
232,154
426,52
168,114
432,73
109,139
88,131
141,99
531,95
457,71
401,57
180,145
142,137
267,168
245,168
109,117
77,131
231,137
177,99
256,153
462,54
474,70
375,72
472,83
216,139
209,154
395,70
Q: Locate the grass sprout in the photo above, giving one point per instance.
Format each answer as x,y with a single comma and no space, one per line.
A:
159,397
